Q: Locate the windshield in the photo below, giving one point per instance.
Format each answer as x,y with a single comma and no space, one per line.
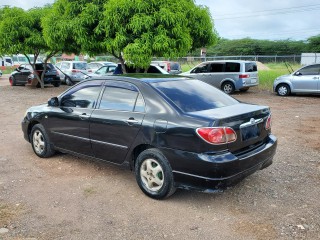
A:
194,95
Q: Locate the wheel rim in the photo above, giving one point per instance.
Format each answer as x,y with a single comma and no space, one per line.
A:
151,174
282,90
68,82
227,88
38,142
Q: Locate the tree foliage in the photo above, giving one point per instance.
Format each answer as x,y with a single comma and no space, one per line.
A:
314,44
21,32
141,29
248,46
73,26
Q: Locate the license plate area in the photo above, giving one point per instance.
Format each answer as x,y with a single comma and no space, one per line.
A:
249,132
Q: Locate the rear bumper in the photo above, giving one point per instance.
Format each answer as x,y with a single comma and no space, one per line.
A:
215,172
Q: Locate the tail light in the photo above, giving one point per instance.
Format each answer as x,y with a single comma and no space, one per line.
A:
168,67
244,76
268,123
217,135
90,70
75,70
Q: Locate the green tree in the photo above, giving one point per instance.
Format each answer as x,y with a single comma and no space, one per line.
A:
21,32
314,44
137,30
73,26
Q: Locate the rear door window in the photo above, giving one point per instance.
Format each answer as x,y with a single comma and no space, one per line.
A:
251,67
217,67
232,67
80,65
121,96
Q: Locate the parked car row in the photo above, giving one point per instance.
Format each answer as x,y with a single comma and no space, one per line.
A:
227,75
24,74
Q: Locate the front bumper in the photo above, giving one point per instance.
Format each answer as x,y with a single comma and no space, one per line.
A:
214,172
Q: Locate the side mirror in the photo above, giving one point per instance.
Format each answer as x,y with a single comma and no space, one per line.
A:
298,74
53,102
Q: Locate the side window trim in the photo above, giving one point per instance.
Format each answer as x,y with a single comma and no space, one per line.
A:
131,88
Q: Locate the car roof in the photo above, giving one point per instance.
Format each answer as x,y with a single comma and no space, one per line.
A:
143,77
239,61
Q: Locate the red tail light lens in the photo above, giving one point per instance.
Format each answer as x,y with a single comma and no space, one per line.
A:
244,76
75,70
217,135
168,67
268,123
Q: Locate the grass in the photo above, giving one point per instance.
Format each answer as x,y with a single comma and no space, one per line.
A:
267,77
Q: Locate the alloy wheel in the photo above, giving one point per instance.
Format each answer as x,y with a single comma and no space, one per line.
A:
152,175
38,142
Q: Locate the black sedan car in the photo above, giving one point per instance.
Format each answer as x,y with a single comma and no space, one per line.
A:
172,132
24,74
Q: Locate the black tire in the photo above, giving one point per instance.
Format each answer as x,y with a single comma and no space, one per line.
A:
12,81
283,90
38,85
56,84
154,174
228,87
40,142
68,81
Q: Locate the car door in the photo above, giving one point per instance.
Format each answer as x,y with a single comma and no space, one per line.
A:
116,122
216,74
69,123
200,72
306,79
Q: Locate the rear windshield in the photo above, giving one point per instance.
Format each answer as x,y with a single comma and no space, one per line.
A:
175,66
194,95
251,67
81,65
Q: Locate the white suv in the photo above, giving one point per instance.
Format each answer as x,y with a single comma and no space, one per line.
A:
72,72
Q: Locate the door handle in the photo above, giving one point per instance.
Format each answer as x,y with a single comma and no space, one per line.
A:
132,121
84,116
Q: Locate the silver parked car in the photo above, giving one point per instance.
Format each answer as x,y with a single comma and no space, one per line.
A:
304,80
94,66
72,72
228,75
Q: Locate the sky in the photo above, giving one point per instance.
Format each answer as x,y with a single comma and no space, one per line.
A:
256,19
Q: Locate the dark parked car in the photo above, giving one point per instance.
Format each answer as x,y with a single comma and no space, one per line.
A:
172,132
24,74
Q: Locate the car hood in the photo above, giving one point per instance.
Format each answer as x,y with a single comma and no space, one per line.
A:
287,76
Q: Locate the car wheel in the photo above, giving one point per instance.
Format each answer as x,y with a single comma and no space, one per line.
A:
40,142
57,84
228,87
12,81
68,81
154,174
283,90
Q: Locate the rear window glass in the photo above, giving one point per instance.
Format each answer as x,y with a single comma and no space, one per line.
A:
194,95
251,67
175,66
82,66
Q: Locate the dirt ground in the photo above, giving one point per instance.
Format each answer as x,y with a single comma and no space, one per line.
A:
65,197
